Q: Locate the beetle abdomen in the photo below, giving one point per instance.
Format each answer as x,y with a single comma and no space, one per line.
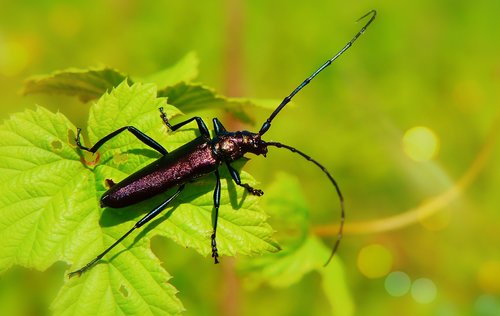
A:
184,164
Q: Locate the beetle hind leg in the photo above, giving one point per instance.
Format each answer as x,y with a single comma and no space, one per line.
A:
148,217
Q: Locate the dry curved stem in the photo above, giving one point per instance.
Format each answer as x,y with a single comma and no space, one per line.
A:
427,209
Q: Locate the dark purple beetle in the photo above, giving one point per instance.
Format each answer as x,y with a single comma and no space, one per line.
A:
200,157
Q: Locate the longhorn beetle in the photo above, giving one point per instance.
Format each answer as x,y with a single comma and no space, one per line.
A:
199,157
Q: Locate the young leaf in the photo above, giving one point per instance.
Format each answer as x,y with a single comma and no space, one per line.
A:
334,285
90,84
288,266
302,252
86,84
190,97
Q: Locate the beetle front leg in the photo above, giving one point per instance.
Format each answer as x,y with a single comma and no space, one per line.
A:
236,178
215,253
201,125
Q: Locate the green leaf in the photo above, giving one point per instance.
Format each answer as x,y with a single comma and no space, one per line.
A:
50,212
50,209
243,231
131,282
86,84
185,70
189,221
47,196
89,84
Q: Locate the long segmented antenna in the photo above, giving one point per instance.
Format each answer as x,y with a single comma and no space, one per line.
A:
332,180
267,123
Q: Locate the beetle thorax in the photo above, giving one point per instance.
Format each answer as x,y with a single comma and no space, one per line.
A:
232,146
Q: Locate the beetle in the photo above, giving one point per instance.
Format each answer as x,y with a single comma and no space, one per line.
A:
200,157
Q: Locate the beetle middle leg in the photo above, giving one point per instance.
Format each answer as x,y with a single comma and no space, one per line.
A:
148,217
236,178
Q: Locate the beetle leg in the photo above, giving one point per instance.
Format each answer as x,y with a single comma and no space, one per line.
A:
236,178
215,254
157,210
137,133
218,127
201,125
109,183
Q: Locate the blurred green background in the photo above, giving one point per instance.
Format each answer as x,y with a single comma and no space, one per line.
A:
407,121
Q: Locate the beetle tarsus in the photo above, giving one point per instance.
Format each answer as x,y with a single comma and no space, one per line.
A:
164,118
77,140
215,253
252,190
77,273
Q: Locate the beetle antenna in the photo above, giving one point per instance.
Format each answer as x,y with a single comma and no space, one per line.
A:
267,123
332,180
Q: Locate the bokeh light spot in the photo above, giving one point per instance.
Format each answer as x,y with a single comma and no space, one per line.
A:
486,305
397,283
374,261
420,143
423,290
488,277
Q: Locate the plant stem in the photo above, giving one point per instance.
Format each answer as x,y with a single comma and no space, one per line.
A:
427,209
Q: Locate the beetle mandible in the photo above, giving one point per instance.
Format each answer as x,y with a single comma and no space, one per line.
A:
199,157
